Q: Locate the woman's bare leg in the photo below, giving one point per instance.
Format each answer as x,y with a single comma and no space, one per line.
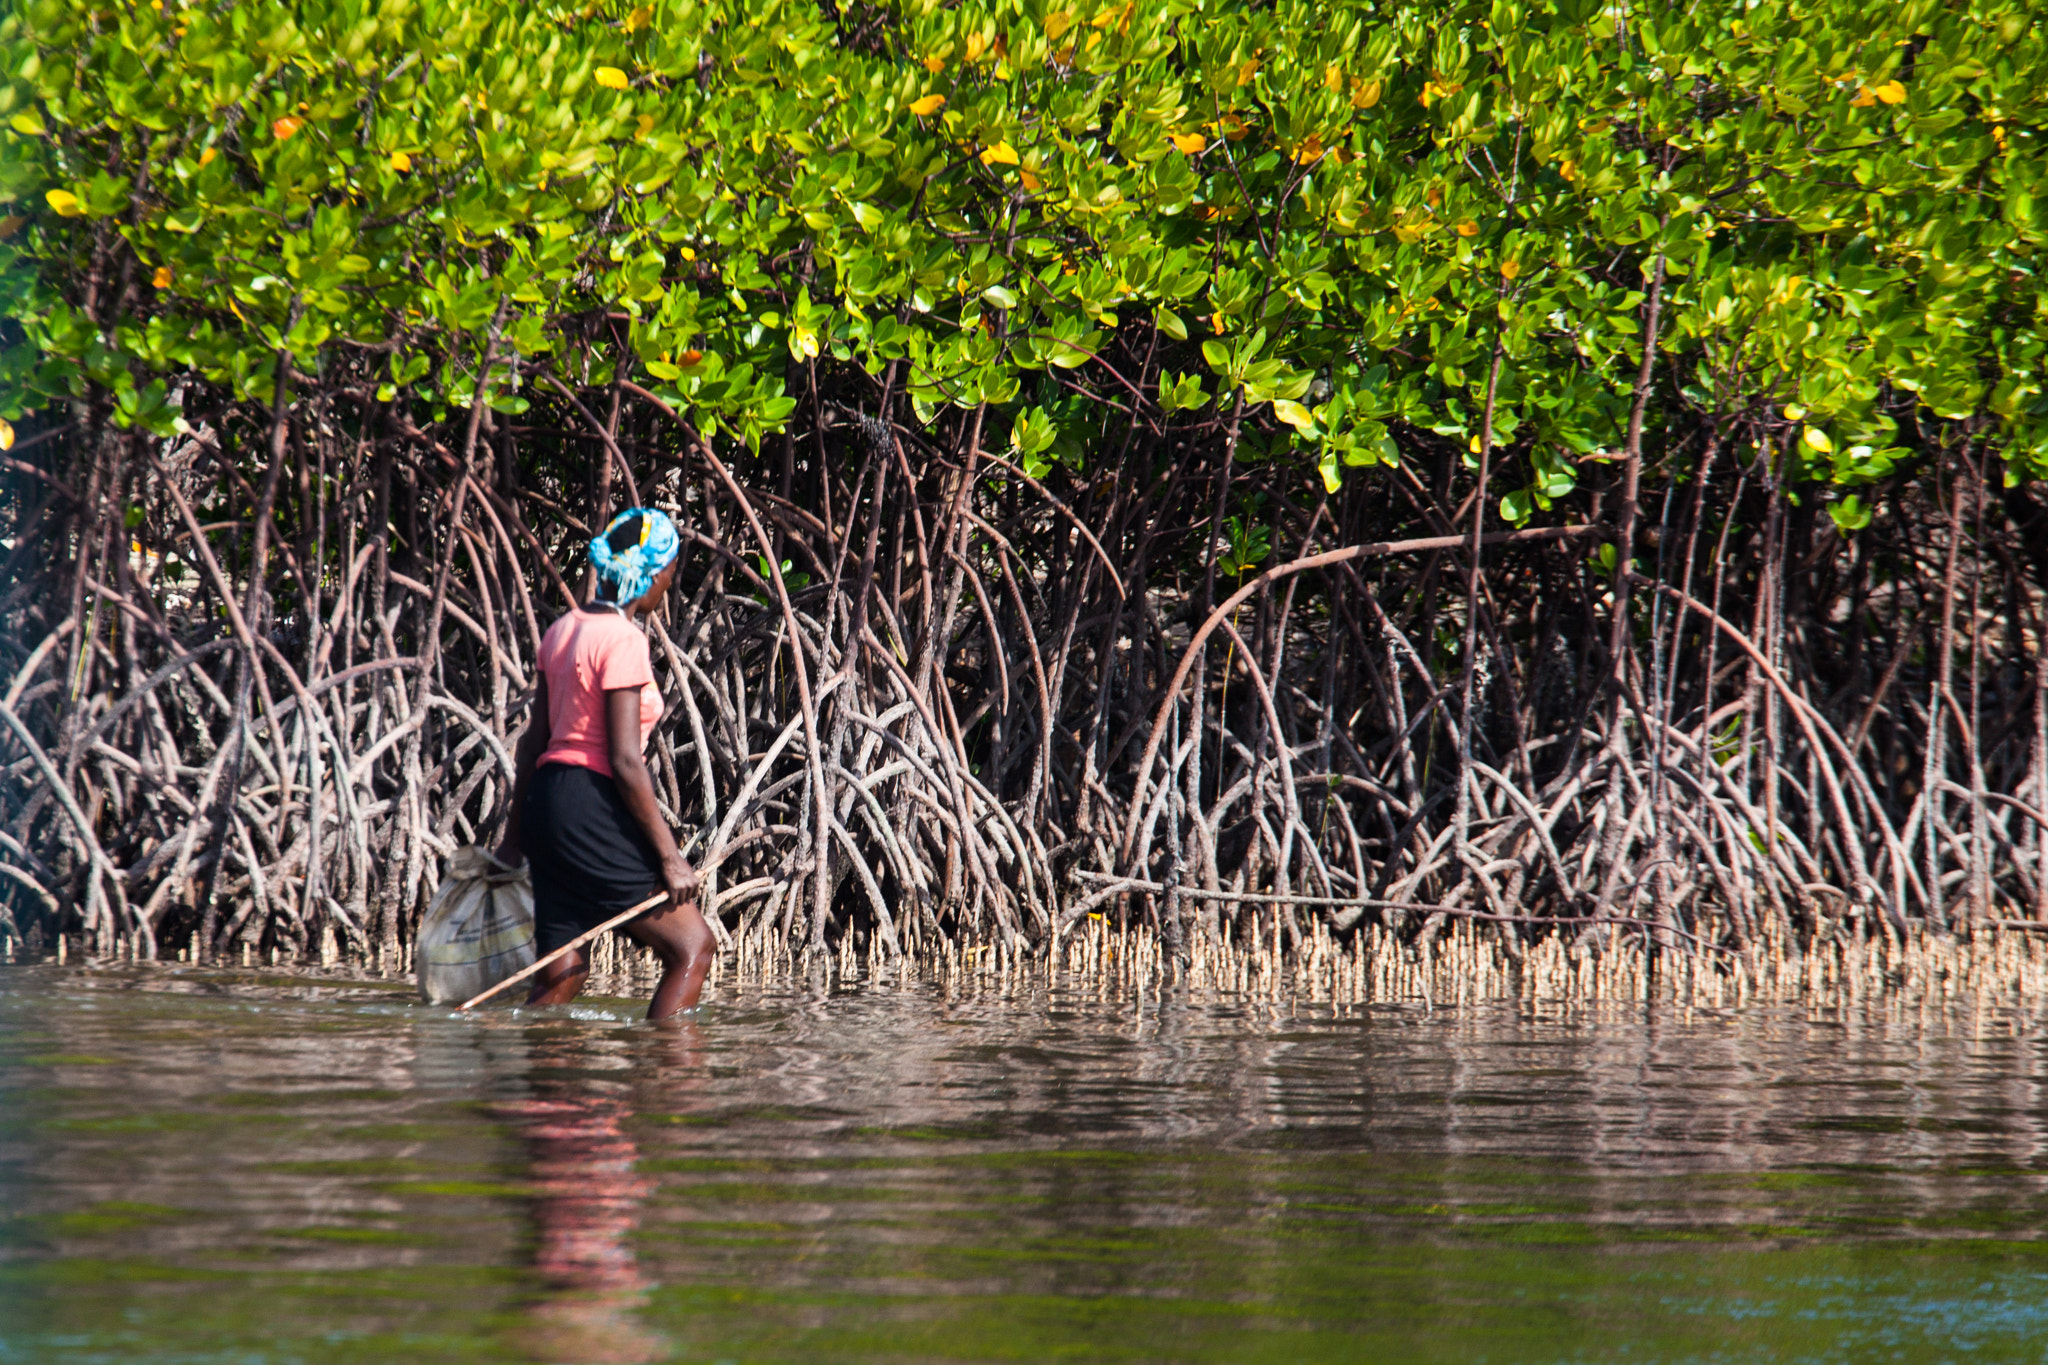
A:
683,941
561,980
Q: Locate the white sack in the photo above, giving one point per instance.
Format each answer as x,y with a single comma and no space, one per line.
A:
478,931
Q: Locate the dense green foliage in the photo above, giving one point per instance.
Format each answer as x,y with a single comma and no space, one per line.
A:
1337,211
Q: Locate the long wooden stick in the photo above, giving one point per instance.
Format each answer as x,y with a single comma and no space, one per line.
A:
571,946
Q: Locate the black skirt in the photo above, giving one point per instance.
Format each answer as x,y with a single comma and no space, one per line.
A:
589,856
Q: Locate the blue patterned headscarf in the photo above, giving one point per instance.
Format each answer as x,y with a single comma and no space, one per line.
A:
631,570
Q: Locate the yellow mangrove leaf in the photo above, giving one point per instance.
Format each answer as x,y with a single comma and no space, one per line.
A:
611,78
6,436
1891,92
927,105
1439,88
1191,143
1817,440
1002,154
286,126
65,202
400,162
162,278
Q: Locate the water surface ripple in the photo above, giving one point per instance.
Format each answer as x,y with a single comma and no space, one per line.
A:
205,1166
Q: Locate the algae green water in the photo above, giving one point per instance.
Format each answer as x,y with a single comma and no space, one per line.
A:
238,1167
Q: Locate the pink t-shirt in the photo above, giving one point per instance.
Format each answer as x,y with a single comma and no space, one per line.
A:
584,655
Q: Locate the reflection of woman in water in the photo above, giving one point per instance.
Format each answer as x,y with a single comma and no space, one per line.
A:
586,1207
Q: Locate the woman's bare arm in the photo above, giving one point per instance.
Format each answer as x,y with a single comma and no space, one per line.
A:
629,770
533,742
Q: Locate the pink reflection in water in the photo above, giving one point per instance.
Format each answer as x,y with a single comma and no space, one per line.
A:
587,1198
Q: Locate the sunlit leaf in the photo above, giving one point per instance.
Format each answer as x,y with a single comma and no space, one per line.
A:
1293,413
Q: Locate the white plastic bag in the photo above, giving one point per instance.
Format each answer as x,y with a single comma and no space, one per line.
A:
478,931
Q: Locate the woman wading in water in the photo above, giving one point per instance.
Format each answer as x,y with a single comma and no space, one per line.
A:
583,809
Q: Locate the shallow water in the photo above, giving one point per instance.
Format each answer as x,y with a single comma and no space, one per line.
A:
246,1167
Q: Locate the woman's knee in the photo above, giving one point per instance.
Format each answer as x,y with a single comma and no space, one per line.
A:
663,939
697,935
691,937
574,963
